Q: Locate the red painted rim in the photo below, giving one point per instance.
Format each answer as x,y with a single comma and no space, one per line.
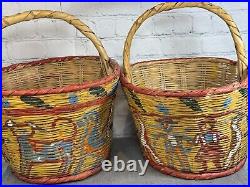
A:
193,176
65,89
57,180
184,93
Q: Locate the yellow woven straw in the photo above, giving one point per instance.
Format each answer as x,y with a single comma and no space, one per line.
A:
190,113
57,112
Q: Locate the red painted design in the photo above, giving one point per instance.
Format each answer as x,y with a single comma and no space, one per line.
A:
209,140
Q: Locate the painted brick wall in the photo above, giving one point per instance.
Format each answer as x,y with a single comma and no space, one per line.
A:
179,33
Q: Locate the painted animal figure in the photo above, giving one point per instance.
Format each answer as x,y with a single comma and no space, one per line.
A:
174,144
35,151
92,138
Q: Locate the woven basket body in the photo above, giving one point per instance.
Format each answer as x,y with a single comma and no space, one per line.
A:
57,115
190,113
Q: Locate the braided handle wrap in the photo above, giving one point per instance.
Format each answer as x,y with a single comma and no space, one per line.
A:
84,29
239,46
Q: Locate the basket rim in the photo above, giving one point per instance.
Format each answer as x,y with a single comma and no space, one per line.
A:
59,179
184,93
58,90
196,176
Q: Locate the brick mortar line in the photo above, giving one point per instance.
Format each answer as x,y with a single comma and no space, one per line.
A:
232,11
141,57
115,38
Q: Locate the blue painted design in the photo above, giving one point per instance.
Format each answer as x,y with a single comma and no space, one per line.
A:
209,137
163,109
25,147
95,139
49,152
227,102
89,116
83,123
174,141
73,99
5,103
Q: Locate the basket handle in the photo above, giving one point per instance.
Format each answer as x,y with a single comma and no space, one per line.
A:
84,29
242,60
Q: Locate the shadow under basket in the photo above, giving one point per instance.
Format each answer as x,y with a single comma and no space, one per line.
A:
57,113
190,113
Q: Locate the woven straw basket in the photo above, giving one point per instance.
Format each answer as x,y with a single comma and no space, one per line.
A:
57,113
190,113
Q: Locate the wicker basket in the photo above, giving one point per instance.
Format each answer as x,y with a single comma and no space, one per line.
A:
57,113
190,113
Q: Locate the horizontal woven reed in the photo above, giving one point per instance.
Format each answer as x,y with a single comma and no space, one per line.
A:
190,113
57,112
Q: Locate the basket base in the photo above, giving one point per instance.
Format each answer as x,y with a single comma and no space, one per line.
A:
194,176
57,180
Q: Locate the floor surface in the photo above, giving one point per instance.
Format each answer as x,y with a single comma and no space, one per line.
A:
127,149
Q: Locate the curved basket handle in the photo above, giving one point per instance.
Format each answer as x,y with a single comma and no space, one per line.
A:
84,29
242,60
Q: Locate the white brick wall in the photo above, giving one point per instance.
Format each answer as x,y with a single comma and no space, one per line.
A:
178,33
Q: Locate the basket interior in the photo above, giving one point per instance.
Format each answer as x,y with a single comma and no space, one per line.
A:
55,73
184,74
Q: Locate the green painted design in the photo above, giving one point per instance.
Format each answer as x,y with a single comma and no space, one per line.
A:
35,101
243,92
192,103
136,100
113,91
97,91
